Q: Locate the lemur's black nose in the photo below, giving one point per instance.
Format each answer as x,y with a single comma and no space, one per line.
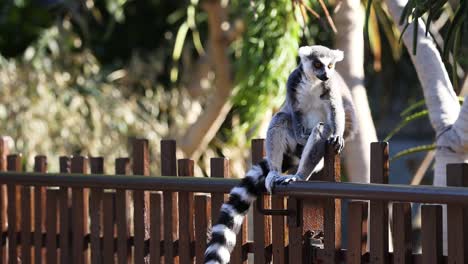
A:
323,77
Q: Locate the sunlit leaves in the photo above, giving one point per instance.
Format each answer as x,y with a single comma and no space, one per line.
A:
267,57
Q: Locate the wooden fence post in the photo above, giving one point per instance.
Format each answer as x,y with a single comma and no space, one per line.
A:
156,227
295,227
262,223
80,212
51,237
379,209
431,234
186,212
401,231
332,208
169,168
65,204
95,207
4,151
40,165
122,167
457,231
140,200
202,221
13,210
357,231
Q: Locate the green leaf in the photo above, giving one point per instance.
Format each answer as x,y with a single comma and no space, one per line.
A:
368,9
180,40
413,150
405,122
413,106
415,35
455,26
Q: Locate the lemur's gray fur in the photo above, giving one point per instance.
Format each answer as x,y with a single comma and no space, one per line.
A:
318,109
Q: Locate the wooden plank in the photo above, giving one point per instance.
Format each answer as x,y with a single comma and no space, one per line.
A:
378,229
95,217
140,156
332,208
401,230
139,226
3,219
78,231
237,255
169,168
4,151
186,169
261,223
108,227
95,206
202,221
431,234
11,213
26,224
357,228
295,225
155,224
80,213
457,231
64,208
40,165
278,234
14,209
219,168
122,199
51,237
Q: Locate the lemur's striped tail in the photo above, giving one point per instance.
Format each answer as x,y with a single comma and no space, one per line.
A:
223,233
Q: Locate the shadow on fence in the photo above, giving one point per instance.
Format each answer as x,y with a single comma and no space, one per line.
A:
76,217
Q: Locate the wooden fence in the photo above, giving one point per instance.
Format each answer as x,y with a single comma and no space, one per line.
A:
76,217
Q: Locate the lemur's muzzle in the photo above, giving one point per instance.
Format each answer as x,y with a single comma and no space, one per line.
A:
323,77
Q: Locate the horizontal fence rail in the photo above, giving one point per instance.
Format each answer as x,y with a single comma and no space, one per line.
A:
131,217
309,189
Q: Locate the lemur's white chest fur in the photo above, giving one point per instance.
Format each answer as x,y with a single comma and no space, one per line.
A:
308,99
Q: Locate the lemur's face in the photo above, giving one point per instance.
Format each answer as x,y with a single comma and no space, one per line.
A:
319,61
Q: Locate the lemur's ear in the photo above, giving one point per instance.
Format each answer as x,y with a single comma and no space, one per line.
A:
339,55
304,51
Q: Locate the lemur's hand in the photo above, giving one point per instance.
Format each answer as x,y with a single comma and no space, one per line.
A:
303,136
337,142
274,179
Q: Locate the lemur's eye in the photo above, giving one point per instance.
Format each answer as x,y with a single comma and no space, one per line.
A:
330,66
318,64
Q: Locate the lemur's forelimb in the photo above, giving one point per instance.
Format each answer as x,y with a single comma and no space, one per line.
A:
314,151
335,114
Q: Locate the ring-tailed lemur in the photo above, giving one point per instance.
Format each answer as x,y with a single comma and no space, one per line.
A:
318,109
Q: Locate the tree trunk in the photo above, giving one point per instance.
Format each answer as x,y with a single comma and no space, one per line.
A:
449,121
350,39
200,133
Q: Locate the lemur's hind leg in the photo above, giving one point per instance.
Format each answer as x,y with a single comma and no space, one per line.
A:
280,140
311,158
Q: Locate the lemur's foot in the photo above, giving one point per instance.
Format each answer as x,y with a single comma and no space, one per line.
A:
274,178
337,142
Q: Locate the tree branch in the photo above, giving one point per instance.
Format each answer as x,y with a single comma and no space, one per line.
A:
441,99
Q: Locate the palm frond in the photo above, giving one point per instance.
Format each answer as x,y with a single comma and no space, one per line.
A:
405,122
413,150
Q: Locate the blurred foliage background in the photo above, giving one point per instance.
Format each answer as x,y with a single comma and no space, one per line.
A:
85,77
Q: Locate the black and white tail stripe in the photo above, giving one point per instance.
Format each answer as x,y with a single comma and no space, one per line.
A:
223,233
